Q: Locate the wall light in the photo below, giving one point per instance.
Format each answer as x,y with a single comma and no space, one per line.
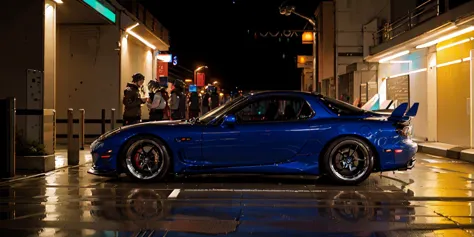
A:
455,43
129,31
149,56
49,10
446,37
398,62
449,63
454,62
59,1
132,27
394,56
407,73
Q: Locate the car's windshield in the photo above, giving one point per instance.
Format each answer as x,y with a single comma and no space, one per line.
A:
209,116
340,107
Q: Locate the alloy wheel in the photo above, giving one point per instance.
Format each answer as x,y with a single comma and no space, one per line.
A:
144,159
349,160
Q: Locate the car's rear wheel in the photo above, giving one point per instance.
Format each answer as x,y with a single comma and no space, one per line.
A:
348,161
146,158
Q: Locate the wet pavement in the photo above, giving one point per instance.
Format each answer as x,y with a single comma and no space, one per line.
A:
434,199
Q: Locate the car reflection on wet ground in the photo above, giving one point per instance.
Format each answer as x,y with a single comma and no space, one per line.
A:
434,199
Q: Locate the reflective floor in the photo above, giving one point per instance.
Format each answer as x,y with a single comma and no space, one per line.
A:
434,199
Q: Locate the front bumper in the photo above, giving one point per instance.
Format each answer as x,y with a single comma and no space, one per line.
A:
104,159
97,172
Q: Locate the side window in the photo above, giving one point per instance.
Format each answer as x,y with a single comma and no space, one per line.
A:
275,109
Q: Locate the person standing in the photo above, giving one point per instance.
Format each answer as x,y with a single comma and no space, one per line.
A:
214,100
182,103
156,103
193,105
205,103
174,104
132,100
166,111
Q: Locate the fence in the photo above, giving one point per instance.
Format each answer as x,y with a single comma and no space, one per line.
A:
82,121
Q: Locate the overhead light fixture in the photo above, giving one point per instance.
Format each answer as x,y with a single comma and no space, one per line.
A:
394,56
142,40
59,1
132,27
129,31
449,63
455,43
454,62
397,61
446,37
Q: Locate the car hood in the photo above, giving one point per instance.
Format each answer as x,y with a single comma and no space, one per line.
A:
141,125
158,123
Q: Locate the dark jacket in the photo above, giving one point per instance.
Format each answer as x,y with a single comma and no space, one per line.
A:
205,100
194,101
174,100
132,101
182,104
214,100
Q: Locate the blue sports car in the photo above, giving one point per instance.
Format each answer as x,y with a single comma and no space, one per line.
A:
276,132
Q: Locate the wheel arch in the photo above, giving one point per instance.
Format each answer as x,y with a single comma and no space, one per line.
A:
121,167
326,147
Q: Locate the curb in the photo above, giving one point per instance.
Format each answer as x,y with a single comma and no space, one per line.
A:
12,180
446,150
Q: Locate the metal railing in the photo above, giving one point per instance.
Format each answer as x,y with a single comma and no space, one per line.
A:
414,17
82,121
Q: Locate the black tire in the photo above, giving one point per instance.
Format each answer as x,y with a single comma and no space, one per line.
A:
157,155
339,157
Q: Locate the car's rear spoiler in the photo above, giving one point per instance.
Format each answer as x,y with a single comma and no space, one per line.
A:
401,113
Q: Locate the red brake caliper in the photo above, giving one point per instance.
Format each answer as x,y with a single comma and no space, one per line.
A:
137,158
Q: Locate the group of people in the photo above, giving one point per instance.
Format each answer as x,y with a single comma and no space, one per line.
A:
161,105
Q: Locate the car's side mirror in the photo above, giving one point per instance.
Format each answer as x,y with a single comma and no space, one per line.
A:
229,120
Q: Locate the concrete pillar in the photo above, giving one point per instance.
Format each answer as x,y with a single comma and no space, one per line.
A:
471,95
23,42
49,76
50,55
432,97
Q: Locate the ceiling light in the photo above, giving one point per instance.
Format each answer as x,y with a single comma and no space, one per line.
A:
446,37
142,40
394,56
131,27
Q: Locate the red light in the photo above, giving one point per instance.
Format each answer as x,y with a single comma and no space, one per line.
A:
106,155
398,151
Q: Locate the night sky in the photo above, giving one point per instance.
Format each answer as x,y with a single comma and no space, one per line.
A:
221,34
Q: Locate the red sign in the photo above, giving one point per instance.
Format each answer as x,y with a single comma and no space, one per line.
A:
162,69
201,79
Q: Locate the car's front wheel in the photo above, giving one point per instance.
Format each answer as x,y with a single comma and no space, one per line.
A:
348,161
146,158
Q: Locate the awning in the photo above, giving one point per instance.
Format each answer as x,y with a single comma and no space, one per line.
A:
142,33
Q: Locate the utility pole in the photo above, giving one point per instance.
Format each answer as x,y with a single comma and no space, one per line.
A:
287,11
